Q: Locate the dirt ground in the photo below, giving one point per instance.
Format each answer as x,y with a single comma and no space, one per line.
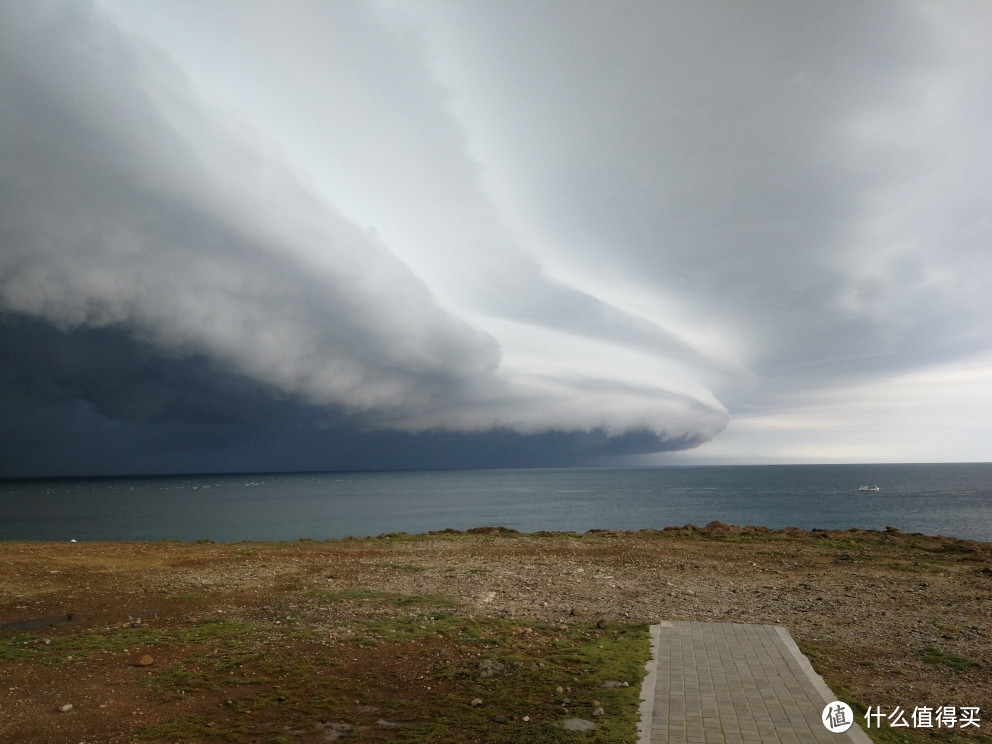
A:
104,642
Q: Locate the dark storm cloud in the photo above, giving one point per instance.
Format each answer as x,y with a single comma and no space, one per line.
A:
90,402
209,300
128,381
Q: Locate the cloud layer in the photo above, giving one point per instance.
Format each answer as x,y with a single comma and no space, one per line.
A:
135,203
560,230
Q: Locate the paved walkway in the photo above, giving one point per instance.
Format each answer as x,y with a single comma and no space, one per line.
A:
733,684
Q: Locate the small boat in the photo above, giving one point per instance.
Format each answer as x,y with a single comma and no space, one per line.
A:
868,487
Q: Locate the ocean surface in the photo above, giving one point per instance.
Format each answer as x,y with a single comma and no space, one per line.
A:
948,499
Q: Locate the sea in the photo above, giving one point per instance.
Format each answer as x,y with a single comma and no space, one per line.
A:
937,499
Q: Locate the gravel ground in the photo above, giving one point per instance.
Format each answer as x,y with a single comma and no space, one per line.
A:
864,606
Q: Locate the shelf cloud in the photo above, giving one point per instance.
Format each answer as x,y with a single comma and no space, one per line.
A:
257,235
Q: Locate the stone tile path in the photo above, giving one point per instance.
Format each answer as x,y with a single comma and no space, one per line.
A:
733,684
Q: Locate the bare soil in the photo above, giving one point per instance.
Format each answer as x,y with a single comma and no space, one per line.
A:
380,631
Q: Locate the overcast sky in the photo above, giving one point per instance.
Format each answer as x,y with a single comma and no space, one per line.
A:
245,235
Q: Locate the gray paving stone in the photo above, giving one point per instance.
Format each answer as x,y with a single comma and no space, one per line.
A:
728,683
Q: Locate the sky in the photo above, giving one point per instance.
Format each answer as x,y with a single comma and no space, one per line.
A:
251,235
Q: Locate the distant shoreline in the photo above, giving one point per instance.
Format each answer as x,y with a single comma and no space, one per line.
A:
713,529
266,473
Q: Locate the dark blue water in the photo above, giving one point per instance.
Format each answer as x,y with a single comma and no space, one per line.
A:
948,499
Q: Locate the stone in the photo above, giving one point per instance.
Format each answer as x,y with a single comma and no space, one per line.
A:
66,708
500,719
598,712
334,731
601,623
490,668
476,702
612,684
577,724
146,660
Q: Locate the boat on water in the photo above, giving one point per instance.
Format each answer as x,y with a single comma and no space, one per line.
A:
868,487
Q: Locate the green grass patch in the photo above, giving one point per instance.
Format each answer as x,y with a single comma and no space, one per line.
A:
822,541
434,600
570,535
20,646
468,635
915,566
65,649
113,641
933,655
180,729
353,593
515,670
520,670
958,547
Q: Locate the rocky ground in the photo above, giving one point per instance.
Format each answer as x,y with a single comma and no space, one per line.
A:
103,642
